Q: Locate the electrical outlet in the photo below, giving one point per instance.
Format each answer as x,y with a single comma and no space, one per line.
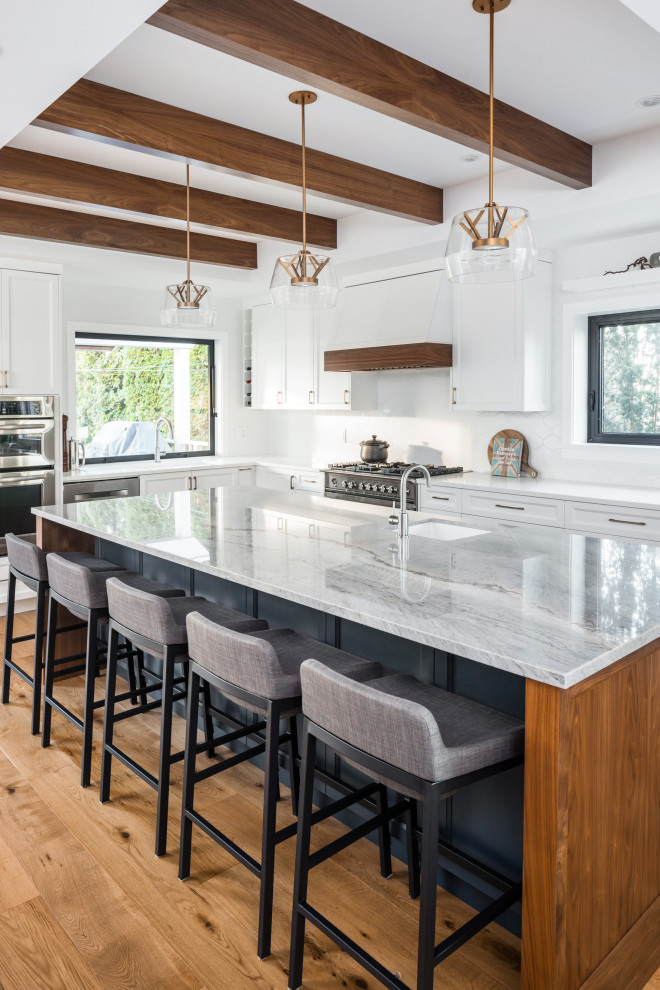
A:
240,433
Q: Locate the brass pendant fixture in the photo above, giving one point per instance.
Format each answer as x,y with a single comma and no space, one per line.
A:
491,243
187,304
304,280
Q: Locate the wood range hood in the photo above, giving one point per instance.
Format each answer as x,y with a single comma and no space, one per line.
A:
425,354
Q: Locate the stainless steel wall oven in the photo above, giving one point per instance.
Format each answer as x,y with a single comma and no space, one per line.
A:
27,462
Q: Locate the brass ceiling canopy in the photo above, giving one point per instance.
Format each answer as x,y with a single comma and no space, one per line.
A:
304,280
492,243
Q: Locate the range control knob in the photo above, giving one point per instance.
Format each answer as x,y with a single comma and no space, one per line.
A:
334,482
382,488
367,487
344,484
391,489
361,486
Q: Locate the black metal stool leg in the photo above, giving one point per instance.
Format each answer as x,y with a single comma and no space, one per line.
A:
142,681
109,714
189,762
91,668
164,761
271,776
130,669
9,637
297,949
428,892
412,850
49,672
384,838
294,771
208,721
38,657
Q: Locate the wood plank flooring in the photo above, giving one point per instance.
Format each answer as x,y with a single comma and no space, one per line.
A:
84,903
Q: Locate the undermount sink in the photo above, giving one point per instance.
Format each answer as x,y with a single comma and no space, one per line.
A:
443,531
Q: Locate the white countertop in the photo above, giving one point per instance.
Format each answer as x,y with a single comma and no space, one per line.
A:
133,469
552,606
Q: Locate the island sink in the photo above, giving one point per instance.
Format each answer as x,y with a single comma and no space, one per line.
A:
444,531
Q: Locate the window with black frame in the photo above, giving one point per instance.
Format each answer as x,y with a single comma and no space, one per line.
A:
125,385
624,378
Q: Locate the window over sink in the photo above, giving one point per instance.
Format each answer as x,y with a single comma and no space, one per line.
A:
624,378
126,384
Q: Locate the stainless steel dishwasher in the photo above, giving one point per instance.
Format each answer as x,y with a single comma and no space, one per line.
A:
86,491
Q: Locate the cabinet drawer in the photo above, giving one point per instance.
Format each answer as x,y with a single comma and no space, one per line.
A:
436,499
613,520
515,508
309,481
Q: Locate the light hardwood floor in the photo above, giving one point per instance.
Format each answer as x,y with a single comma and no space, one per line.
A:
85,904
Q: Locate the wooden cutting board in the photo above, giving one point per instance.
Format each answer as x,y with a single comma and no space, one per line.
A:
514,435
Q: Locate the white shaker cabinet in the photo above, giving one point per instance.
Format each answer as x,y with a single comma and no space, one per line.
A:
501,344
299,390
268,356
168,481
29,332
333,388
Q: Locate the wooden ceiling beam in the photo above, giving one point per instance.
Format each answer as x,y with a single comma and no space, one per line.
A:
112,115
47,223
76,182
290,38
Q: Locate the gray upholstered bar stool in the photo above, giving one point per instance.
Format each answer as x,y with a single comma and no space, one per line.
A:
158,627
261,672
27,563
425,743
79,585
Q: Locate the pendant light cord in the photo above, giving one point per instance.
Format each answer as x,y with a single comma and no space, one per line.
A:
187,232
492,126
304,187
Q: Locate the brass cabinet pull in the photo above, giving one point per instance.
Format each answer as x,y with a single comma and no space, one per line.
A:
453,396
291,482
311,397
280,397
440,498
310,481
347,396
6,379
190,483
245,469
518,508
627,522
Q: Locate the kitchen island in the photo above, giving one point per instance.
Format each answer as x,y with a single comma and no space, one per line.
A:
558,627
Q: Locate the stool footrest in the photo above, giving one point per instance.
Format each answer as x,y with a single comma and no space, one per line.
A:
19,670
474,925
372,965
223,840
357,833
63,710
124,758
231,761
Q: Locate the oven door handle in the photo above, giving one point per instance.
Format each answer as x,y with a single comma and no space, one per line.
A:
29,478
23,427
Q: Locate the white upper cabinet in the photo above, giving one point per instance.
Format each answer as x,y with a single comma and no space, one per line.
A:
501,344
268,342
30,341
300,389
333,388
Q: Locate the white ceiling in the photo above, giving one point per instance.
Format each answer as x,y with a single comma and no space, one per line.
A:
47,46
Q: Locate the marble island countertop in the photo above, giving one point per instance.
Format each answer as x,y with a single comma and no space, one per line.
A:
555,606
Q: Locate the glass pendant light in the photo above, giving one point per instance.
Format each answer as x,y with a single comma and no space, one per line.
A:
492,243
304,280
187,304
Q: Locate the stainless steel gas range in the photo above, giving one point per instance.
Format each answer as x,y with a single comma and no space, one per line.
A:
378,484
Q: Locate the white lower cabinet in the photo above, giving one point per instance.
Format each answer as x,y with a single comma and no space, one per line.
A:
277,479
613,520
514,508
188,481
170,481
437,499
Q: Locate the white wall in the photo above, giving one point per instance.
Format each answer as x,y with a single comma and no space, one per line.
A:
415,416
